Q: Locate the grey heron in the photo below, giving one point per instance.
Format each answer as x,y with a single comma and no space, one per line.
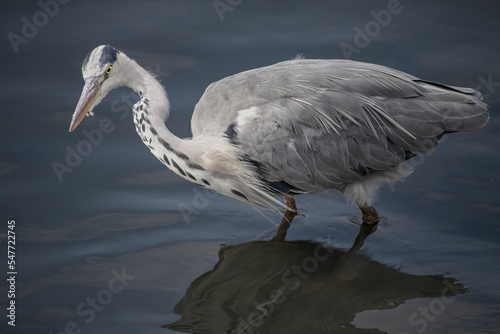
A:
296,127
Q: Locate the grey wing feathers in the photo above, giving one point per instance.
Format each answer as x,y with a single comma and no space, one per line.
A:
321,124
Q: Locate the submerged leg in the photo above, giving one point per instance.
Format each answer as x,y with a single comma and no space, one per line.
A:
370,215
364,231
290,213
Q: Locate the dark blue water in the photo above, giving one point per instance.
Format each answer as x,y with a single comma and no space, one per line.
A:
118,244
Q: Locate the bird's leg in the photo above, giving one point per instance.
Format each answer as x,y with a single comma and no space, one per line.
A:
290,213
364,231
370,215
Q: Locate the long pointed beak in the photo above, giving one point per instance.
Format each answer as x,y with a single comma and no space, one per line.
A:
90,93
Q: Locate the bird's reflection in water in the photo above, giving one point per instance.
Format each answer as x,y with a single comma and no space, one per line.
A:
298,287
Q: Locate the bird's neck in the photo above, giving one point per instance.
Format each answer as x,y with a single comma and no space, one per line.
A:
208,160
150,114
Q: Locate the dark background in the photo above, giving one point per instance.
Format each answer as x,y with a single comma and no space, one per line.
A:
120,208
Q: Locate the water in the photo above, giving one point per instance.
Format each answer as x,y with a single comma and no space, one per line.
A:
122,245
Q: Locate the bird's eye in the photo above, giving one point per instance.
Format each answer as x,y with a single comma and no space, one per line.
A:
109,69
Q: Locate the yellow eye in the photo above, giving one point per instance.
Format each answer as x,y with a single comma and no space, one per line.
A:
109,69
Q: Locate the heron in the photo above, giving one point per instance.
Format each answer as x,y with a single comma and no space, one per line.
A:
296,127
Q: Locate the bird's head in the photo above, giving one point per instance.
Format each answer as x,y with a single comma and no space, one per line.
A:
102,73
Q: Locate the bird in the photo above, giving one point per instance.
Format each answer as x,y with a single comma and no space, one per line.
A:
296,127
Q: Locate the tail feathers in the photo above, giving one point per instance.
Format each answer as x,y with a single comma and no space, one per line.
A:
462,109
463,90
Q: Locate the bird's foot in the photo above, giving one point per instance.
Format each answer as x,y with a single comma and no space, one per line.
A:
370,215
353,221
